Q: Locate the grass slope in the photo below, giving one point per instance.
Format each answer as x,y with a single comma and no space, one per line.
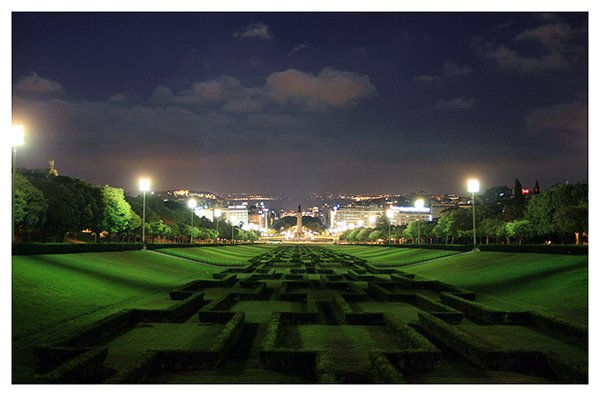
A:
382,256
219,255
554,284
52,289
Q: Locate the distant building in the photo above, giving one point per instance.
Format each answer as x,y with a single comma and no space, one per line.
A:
236,215
401,215
350,217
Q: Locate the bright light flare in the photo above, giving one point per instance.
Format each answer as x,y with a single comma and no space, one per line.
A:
389,213
192,203
473,185
144,184
217,213
18,135
372,219
420,203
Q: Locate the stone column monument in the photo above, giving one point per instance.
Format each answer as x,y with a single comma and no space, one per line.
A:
299,223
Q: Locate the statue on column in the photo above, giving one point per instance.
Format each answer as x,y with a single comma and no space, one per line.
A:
299,223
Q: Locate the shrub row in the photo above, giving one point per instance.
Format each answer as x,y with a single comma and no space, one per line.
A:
84,368
383,371
527,361
27,249
550,249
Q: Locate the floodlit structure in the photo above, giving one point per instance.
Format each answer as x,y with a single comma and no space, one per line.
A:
299,223
473,187
348,218
236,214
144,186
402,215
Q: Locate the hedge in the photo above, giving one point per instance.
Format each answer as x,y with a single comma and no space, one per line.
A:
550,249
84,368
28,249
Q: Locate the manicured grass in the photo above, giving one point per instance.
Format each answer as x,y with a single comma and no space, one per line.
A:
549,283
51,290
219,255
383,256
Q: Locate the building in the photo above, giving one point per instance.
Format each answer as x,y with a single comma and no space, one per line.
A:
401,215
350,217
236,215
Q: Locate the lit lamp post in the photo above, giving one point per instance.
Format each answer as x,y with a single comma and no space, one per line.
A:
144,186
390,215
217,215
18,139
192,205
419,204
473,187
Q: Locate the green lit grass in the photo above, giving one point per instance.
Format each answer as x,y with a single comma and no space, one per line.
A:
219,255
383,256
554,284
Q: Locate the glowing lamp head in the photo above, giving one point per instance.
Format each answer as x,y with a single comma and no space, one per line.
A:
217,213
360,223
389,213
372,219
18,135
144,184
420,203
473,185
192,203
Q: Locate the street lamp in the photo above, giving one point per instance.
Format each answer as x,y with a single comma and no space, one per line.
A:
192,205
144,186
17,139
419,204
217,215
473,187
390,215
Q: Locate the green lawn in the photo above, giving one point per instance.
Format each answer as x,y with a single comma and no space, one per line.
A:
48,290
219,255
550,283
383,256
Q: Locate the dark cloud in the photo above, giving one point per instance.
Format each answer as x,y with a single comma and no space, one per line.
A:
254,30
457,104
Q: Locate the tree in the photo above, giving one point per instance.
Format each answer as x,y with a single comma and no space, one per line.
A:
515,209
495,200
520,229
411,231
572,220
363,235
489,227
117,213
375,235
29,205
351,237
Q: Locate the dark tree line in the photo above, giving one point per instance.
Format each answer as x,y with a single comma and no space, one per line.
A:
47,208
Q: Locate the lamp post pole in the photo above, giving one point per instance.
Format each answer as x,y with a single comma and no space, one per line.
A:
192,226
232,232
474,232
144,220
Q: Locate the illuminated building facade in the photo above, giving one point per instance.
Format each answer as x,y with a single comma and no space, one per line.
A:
236,215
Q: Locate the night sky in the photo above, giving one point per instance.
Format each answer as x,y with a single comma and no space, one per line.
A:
293,103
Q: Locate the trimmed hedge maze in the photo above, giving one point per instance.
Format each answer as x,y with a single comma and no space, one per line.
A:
299,314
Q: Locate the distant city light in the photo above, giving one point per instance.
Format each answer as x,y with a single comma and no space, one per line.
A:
473,185
192,203
389,213
18,135
372,219
144,184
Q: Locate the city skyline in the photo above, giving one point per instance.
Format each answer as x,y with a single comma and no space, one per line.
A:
294,103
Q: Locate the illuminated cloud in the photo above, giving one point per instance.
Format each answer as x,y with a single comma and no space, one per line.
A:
453,69
33,84
430,80
571,116
257,30
329,88
551,35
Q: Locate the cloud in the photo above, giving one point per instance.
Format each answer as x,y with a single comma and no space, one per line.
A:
457,104
201,92
452,69
506,59
117,98
571,116
245,105
33,84
431,80
257,30
555,35
330,87
297,49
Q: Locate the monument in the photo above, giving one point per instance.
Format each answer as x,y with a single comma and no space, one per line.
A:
299,223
